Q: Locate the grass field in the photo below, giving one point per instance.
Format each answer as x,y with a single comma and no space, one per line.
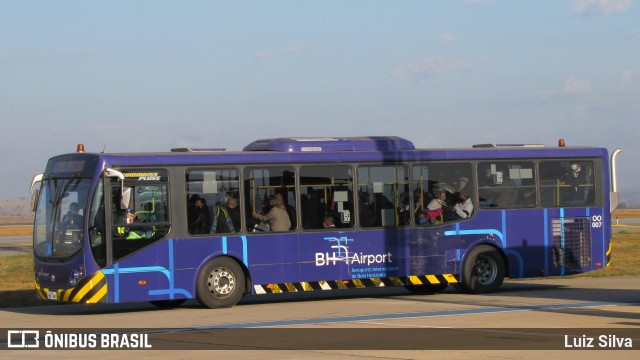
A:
17,286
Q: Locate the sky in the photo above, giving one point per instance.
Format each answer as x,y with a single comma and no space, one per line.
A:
122,76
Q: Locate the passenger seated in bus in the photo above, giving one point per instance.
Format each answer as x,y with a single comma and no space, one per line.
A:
461,210
200,222
329,222
277,217
421,217
526,197
577,183
436,206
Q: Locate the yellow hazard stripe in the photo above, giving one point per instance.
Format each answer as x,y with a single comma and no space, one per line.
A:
451,279
356,283
88,286
89,290
608,254
40,292
433,279
98,296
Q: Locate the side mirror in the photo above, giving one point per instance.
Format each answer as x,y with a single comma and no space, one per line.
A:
35,196
125,200
109,172
35,193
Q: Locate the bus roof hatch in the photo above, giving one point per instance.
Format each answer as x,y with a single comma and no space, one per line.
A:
317,144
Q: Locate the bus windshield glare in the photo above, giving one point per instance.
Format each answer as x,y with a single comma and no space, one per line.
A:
59,220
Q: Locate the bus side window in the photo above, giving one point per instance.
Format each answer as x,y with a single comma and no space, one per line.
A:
506,184
328,192
384,199
213,201
437,189
567,183
144,222
266,188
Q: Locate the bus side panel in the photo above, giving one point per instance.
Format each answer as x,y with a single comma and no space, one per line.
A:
377,253
527,247
325,256
575,242
273,257
148,274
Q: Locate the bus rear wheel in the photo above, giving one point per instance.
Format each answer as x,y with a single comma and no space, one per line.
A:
483,270
221,283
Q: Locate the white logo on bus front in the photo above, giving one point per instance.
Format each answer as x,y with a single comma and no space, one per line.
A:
596,221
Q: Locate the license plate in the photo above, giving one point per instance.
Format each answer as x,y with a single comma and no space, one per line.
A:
52,295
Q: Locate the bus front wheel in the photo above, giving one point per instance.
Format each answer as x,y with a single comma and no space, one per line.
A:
483,270
220,283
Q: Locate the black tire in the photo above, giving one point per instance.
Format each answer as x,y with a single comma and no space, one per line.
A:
427,289
168,303
221,283
483,270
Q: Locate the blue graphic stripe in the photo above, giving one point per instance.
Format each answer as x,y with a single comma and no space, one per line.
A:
168,273
245,249
116,281
171,269
133,270
457,231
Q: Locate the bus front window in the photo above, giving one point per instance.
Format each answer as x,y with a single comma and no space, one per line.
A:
60,217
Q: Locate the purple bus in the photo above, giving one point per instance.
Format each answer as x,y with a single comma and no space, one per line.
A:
316,214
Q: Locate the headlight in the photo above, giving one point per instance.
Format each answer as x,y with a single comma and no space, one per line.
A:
76,275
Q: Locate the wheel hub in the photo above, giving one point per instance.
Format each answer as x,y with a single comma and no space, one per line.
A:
485,270
221,282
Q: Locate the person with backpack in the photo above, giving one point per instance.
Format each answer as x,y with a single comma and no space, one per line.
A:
222,222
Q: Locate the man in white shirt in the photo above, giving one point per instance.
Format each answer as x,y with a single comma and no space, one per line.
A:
464,209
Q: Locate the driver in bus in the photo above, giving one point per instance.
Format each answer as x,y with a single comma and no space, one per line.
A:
72,219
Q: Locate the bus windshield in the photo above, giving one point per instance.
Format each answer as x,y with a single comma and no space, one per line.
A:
59,220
